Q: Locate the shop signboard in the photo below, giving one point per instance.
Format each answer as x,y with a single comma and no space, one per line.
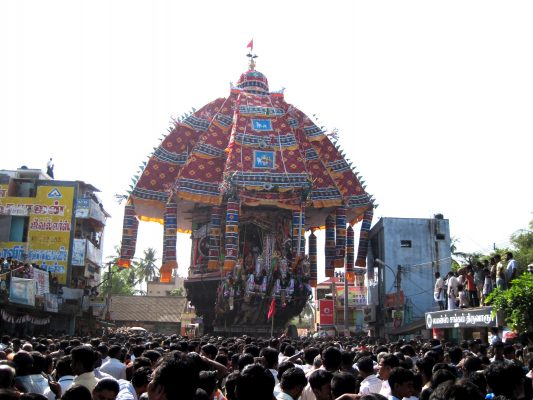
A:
356,296
326,312
461,318
42,285
49,228
22,291
78,252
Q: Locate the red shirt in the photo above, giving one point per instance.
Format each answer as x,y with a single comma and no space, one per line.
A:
471,286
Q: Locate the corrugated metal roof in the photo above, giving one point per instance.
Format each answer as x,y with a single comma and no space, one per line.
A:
147,308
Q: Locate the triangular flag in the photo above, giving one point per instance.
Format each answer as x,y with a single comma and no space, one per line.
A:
272,309
251,44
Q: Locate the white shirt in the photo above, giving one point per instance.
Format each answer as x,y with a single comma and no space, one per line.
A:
114,368
284,396
511,267
127,391
371,384
385,389
86,379
65,382
275,374
452,286
439,289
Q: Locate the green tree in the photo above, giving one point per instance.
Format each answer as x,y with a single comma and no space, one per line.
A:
117,280
178,292
516,303
522,241
146,267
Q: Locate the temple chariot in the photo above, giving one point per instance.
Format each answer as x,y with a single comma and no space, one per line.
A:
250,177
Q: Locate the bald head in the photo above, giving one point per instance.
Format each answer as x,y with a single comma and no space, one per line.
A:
7,374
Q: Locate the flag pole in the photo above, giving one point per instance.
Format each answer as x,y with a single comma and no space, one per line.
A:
272,326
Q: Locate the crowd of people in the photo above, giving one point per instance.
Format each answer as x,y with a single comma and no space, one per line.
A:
123,365
471,285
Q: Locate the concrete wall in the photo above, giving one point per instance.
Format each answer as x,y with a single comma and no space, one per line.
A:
420,247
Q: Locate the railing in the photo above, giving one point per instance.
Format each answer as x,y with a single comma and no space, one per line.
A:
86,207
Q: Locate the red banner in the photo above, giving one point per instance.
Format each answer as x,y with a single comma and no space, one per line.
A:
327,310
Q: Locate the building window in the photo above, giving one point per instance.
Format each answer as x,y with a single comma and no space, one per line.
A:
441,236
19,229
405,243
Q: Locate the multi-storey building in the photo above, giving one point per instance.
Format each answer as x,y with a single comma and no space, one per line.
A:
404,255
57,227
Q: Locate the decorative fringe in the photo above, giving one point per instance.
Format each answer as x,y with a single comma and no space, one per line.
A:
363,239
298,231
169,241
130,228
329,250
350,252
232,235
340,234
214,238
312,259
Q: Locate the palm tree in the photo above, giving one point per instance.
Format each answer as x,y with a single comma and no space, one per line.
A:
146,267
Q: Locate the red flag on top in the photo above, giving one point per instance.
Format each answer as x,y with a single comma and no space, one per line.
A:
251,44
272,309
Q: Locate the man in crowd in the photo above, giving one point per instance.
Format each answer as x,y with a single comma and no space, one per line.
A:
292,384
512,268
114,366
82,364
370,383
387,363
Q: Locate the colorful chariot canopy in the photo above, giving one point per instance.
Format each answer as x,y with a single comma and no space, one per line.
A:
254,146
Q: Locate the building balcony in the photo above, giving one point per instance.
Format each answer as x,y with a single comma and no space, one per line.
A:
85,250
88,208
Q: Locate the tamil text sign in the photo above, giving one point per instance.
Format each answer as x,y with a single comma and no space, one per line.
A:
462,318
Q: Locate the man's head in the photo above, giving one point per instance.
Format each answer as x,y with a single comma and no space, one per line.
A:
103,350
386,364
365,365
23,363
437,275
331,359
309,355
7,374
320,382
83,358
341,383
106,389
509,256
115,352
255,382
140,380
270,357
63,367
209,350
176,377
401,382
293,382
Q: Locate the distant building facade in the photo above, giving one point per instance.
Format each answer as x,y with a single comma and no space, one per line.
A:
57,228
403,257
156,288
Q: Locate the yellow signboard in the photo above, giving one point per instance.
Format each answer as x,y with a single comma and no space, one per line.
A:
43,227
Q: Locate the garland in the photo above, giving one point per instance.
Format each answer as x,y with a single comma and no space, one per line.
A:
23,319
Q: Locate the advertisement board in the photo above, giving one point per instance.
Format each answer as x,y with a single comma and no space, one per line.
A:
327,310
22,291
42,285
357,296
49,218
78,252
